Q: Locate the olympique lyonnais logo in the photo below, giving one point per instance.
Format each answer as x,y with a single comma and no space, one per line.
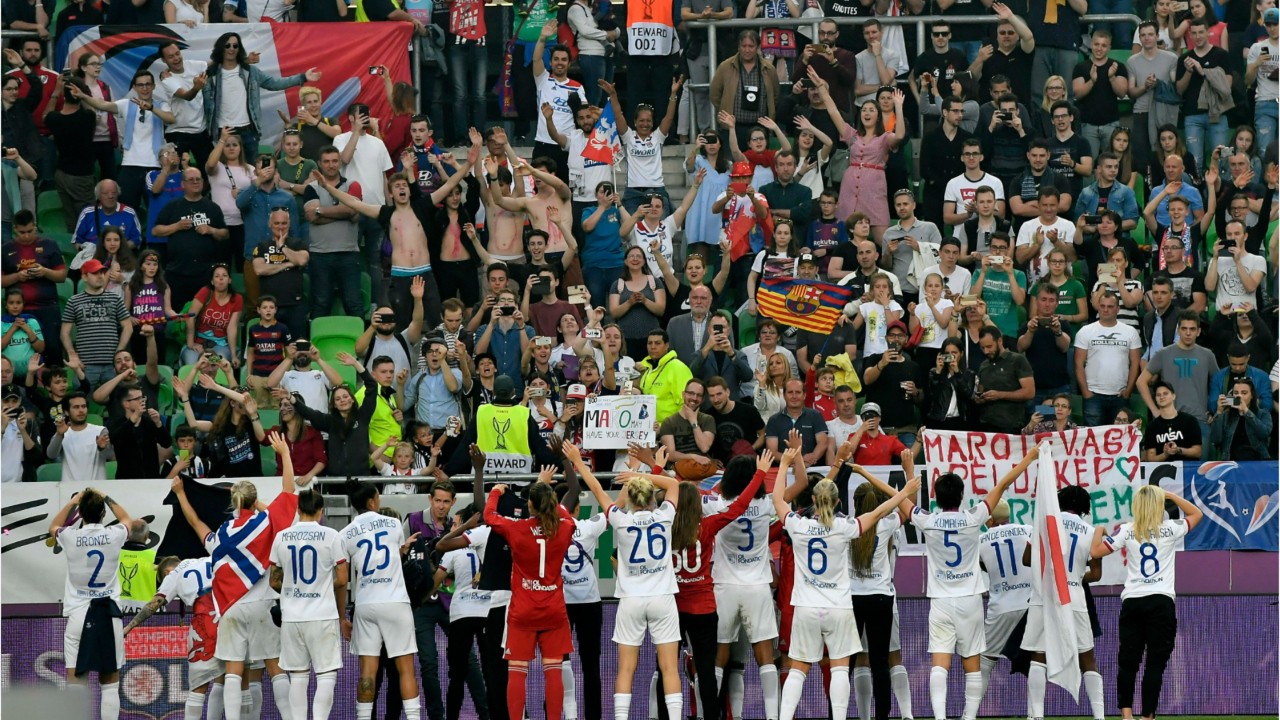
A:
804,299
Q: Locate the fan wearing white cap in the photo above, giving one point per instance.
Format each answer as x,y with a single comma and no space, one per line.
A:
874,447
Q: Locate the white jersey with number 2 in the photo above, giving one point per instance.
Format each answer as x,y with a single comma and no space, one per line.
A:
951,549
93,557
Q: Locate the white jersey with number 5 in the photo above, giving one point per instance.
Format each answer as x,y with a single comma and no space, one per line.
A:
187,581
643,539
1001,551
308,554
821,560
741,555
93,557
579,569
1149,562
372,544
951,548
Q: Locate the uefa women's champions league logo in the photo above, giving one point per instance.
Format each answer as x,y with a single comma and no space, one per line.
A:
1229,504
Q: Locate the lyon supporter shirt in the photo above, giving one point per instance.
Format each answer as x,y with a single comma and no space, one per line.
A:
643,538
556,92
821,560
372,544
951,549
309,554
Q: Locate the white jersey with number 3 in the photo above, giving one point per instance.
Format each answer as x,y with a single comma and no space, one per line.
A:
821,560
951,549
372,544
187,581
1001,551
308,554
643,539
741,555
93,558
1149,562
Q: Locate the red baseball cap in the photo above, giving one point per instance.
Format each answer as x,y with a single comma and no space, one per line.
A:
741,169
92,266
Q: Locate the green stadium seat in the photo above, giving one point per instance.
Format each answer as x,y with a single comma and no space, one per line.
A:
348,374
66,289
269,418
334,334
95,419
111,469
269,461
167,398
49,472
186,372
49,215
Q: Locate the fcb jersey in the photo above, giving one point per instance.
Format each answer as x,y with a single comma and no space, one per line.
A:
1149,563
741,555
308,554
1008,580
643,539
537,590
951,549
372,545
93,556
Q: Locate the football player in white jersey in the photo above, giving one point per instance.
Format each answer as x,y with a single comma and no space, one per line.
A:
92,588
646,578
955,584
1148,621
821,593
309,570
190,581
585,608
1000,550
875,608
1077,540
742,570
382,615
467,612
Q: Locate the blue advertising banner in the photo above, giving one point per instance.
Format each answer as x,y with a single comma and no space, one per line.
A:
1240,502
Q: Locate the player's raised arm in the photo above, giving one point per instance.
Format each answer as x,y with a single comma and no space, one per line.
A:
993,498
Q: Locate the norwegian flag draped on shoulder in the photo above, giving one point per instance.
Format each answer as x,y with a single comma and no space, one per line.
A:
1050,580
807,304
241,549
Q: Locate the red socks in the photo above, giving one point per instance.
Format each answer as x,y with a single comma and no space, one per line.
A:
554,690
516,677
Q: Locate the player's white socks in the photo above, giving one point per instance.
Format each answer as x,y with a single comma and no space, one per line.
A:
570,690
280,687
232,693
769,688
840,692
737,690
1093,688
413,707
861,692
255,701
792,690
194,708
621,705
326,683
653,697
719,680
299,684
214,693
974,689
938,692
988,665
675,705
110,705
901,691
1037,678
364,711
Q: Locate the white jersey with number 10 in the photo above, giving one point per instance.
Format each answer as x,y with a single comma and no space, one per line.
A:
308,554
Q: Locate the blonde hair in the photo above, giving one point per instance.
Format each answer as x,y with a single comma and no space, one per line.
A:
244,495
1046,103
1148,512
640,492
825,498
309,90
1001,512
403,446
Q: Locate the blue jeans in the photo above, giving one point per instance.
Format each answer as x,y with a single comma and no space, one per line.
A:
1203,136
191,357
1121,33
468,65
330,271
97,374
1265,121
593,69
1102,409
1098,136
425,620
371,245
599,281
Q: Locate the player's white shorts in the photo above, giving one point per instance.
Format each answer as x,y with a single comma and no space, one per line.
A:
204,672
749,607
246,632
812,629
71,639
956,625
383,623
1033,638
657,614
998,630
895,641
310,643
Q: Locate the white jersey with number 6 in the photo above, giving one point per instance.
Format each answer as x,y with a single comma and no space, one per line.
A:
821,561
372,544
93,557
308,554
1000,549
579,569
741,555
187,581
951,549
643,539
1149,561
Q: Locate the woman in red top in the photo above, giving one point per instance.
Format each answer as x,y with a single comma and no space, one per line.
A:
692,538
537,615
306,444
213,322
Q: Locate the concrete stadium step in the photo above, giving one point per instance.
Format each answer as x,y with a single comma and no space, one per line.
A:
673,173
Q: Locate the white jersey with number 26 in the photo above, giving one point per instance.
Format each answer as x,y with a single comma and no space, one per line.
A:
951,548
643,539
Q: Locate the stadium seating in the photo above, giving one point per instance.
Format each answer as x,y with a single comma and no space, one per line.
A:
49,472
334,334
49,216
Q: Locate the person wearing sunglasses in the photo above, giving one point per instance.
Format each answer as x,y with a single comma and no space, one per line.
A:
937,65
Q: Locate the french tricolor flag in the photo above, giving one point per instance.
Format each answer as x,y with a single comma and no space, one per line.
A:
1050,580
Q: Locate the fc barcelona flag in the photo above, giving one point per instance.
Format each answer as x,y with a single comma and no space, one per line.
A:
806,304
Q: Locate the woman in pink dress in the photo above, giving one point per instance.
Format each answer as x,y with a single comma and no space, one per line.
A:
863,188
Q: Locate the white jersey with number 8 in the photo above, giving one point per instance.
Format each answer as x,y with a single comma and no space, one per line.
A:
308,554
741,555
951,549
1150,562
372,544
93,558
643,539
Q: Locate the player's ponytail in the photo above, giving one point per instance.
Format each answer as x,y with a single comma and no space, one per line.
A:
360,493
1148,512
684,529
244,495
826,496
865,499
543,505
640,493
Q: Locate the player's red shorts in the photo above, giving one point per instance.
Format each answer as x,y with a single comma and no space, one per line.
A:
784,628
554,642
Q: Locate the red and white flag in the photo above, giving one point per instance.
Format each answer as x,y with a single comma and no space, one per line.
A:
1049,580
603,145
